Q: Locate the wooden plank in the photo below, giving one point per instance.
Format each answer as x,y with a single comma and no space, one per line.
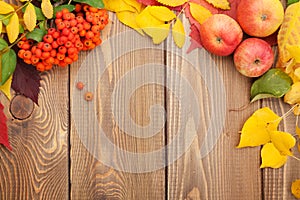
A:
90,178
226,172
37,167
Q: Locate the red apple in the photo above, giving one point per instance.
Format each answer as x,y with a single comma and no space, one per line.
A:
260,18
253,57
220,34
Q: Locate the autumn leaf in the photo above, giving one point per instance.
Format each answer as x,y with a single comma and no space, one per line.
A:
223,4
5,8
172,3
149,2
8,65
26,81
6,88
178,33
47,8
293,96
283,142
12,28
289,32
162,13
256,130
199,12
3,129
1,25
295,188
118,6
271,157
30,17
138,6
128,18
194,38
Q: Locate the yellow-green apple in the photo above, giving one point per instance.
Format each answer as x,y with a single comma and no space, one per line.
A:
253,57
220,34
260,18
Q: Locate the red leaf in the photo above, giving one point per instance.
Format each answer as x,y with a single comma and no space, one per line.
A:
233,7
271,39
3,129
26,81
195,38
149,2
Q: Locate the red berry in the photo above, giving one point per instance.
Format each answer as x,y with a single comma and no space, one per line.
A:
59,15
48,38
51,31
47,47
62,49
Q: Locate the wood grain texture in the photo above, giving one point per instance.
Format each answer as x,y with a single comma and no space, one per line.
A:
226,172
90,179
37,168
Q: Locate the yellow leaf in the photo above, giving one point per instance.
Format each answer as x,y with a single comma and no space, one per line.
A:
128,18
294,51
199,12
178,33
145,19
223,4
172,3
256,130
6,88
118,6
158,33
12,28
271,157
47,8
5,8
30,17
138,6
162,13
295,188
298,131
293,95
289,32
1,25
283,142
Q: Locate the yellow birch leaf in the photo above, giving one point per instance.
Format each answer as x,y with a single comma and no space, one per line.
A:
283,142
145,19
118,6
12,28
199,12
5,88
271,157
30,17
128,18
47,8
293,95
289,32
162,13
172,3
223,4
178,33
158,33
295,188
257,128
5,8
294,51
138,6
1,25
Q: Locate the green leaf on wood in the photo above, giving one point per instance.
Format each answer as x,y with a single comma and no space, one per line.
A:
274,83
59,8
93,3
8,65
37,34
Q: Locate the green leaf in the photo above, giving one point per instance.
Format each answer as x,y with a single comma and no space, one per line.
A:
274,83
93,3
3,44
9,61
59,8
289,2
5,21
37,34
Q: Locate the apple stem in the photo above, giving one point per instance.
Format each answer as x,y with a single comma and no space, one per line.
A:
263,17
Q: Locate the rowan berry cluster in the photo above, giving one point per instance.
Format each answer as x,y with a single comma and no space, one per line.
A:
73,32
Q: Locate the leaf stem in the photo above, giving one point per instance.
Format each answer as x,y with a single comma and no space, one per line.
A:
296,158
289,111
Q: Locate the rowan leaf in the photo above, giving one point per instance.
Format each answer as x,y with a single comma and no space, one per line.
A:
6,88
118,6
274,83
283,142
223,4
271,157
162,13
5,8
257,128
47,8
128,18
30,17
158,33
12,28
295,188
26,80
3,129
172,3
8,65
36,35
178,33
289,32
199,12
289,2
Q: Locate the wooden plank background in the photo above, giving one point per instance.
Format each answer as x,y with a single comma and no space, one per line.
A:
49,161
